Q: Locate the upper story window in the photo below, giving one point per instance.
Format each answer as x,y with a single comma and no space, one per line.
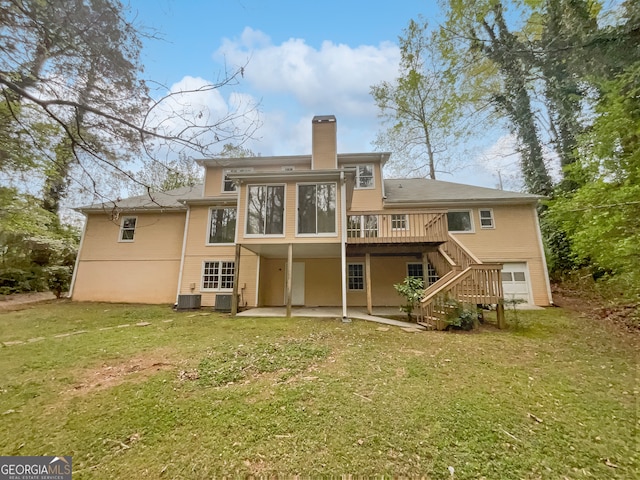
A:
317,208
265,210
127,229
228,186
486,218
362,226
364,176
222,225
460,221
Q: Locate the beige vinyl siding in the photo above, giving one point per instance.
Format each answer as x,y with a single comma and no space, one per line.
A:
197,251
272,276
213,176
192,275
385,272
365,200
142,271
323,281
127,281
323,141
213,183
514,239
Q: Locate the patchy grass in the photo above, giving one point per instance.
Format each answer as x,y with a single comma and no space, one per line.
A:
206,395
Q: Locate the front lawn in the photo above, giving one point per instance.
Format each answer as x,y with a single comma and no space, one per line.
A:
143,392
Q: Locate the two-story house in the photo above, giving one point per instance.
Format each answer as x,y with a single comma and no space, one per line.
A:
324,229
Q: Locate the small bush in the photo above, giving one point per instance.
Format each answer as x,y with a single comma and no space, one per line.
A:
460,316
412,289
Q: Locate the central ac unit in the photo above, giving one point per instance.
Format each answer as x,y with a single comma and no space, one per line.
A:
189,302
223,303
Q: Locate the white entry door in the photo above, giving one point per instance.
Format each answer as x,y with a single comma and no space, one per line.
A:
515,281
297,284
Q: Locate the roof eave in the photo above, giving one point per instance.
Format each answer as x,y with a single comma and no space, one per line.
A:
462,202
120,208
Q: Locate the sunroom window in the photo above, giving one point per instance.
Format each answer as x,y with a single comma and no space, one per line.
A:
317,208
265,211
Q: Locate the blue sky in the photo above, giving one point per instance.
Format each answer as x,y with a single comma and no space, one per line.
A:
305,58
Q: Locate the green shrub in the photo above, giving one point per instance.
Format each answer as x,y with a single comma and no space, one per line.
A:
460,316
412,289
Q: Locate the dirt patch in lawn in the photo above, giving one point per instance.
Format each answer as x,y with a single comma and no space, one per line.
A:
18,301
623,317
111,374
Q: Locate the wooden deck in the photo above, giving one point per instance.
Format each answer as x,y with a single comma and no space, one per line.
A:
368,228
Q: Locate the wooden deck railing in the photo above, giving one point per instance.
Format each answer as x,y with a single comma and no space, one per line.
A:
475,285
458,252
401,227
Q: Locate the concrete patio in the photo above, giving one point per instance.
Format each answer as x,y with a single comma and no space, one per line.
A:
379,314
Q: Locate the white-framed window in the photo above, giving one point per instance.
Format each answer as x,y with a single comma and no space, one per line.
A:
127,229
460,221
486,218
265,210
317,208
415,269
228,186
399,221
222,225
362,226
355,276
217,275
364,176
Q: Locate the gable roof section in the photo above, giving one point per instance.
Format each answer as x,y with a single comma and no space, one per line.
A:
426,192
169,200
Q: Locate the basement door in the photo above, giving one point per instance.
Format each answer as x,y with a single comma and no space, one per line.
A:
297,284
515,281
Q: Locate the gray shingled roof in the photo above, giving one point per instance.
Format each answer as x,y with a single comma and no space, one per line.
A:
153,201
419,191
427,191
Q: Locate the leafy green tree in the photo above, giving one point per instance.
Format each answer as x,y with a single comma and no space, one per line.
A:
37,253
70,75
476,33
600,217
566,26
420,117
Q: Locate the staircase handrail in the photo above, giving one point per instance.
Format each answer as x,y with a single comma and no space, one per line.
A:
458,277
471,258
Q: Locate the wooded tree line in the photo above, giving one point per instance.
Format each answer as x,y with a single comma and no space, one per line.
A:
564,77
74,115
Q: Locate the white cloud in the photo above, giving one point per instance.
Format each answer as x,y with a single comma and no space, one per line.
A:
333,78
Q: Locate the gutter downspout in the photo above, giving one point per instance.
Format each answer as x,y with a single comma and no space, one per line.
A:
343,244
184,247
75,268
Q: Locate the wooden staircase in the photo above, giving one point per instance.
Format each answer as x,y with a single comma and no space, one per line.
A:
464,279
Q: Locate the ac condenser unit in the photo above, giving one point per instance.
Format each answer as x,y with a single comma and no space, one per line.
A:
223,303
189,302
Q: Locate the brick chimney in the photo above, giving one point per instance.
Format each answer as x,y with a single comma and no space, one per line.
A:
324,142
